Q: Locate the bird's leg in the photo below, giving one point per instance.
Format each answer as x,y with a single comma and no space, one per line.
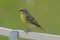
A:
29,29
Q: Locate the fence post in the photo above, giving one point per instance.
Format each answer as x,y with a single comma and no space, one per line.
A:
14,35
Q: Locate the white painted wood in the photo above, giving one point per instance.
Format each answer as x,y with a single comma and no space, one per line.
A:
14,35
30,35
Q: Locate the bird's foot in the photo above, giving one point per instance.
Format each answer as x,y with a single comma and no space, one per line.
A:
28,30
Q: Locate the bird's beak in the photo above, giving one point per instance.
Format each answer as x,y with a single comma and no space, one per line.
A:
18,10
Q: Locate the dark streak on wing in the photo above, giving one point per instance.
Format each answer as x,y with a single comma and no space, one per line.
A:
30,19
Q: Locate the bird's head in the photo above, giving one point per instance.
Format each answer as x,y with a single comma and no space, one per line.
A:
23,10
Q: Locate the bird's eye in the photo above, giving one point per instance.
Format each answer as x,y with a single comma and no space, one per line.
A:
21,10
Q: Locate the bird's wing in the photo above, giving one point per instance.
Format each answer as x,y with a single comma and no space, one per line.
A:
32,20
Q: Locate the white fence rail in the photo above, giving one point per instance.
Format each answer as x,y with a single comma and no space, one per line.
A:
14,34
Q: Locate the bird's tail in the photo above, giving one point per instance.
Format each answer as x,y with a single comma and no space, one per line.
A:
41,28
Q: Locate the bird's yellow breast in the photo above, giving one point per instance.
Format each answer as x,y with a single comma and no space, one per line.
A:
24,19
22,16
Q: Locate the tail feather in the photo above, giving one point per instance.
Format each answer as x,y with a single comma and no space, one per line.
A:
41,27
36,24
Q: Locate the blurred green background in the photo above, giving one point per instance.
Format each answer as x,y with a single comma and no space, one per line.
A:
46,12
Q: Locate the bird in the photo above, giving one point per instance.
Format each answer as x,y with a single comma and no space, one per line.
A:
29,20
